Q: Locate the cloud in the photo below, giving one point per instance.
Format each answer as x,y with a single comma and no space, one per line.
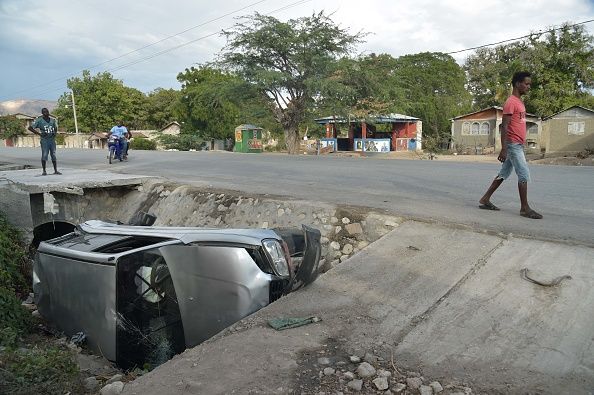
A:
42,40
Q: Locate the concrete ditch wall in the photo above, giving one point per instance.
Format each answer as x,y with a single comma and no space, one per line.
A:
345,230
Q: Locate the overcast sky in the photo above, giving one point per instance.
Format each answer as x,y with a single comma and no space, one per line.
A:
50,40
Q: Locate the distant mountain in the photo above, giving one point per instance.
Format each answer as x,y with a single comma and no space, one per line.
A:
24,106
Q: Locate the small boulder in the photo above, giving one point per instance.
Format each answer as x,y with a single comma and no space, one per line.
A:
381,383
91,384
414,383
365,370
436,386
355,385
426,390
112,389
354,229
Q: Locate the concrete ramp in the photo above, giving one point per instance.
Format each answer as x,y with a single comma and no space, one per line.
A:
507,333
448,302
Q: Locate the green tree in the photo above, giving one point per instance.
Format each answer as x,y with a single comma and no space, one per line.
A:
434,89
162,107
560,60
101,100
206,106
287,62
11,127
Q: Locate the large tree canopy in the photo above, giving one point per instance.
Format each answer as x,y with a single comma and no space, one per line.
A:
10,127
100,101
435,92
287,62
561,62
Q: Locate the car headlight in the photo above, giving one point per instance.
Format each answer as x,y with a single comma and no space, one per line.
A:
277,255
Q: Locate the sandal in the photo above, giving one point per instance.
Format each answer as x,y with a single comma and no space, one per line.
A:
489,206
531,214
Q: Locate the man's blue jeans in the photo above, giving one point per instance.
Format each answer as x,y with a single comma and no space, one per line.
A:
515,160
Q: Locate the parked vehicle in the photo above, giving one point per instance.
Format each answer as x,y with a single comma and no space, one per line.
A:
142,294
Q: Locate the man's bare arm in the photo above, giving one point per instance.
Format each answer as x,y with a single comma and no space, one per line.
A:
504,124
30,128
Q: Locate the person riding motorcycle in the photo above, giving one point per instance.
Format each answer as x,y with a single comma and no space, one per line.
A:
119,132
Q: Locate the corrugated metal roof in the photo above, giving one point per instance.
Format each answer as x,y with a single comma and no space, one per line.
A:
384,118
248,127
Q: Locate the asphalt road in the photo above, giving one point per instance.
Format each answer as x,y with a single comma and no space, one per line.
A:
431,190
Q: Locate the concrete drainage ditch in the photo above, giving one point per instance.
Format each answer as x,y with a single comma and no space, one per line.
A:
48,211
345,230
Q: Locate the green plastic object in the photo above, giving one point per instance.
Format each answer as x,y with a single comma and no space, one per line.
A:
290,322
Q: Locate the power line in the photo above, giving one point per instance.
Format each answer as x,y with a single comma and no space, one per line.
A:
519,38
141,48
156,54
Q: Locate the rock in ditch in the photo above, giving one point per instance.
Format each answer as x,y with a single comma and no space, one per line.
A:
381,383
349,375
398,388
347,249
365,370
329,371
354,229
355,359
414,383
426,390
355,385
91,384
112,389
436,386
324,361
114,378
335,245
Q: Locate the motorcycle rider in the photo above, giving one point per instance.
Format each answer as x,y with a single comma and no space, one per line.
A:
120,132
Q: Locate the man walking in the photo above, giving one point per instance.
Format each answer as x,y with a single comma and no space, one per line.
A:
47,131
513,137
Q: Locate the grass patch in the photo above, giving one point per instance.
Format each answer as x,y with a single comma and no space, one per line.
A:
26,369
38,371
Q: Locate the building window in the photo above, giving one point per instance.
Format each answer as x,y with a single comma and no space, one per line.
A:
475,128
533,129
576,128
466,128
485,128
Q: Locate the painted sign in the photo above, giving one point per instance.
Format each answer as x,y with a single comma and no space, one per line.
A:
238,136
254,144
324,143
372,145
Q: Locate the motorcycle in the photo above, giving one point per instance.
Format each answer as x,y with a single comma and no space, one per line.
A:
115,148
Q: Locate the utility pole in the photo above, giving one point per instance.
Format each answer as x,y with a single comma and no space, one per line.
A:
74,110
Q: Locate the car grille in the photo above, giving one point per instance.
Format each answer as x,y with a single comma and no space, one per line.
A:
277,288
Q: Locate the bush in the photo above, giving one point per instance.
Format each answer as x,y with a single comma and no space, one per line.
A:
143,144
39,371
13,259
60,139
183,142
15,319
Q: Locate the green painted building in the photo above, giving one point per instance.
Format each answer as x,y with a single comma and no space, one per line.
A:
248,138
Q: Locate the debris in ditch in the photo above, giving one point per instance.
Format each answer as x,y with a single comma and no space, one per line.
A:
553,283
287,323
413,248
78,339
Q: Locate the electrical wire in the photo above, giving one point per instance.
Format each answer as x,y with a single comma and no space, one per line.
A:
141,48
154,55
519,38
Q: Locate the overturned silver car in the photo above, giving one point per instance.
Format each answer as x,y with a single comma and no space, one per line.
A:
142,294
